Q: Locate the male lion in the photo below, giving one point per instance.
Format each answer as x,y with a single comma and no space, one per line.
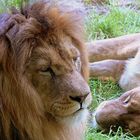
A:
119,58
44,93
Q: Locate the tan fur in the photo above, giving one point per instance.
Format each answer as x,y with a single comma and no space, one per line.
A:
43,64
118,58
123,111
119,48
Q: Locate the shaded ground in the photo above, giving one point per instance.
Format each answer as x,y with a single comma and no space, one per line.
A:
101,7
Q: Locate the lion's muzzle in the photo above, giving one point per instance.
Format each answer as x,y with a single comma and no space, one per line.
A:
75,95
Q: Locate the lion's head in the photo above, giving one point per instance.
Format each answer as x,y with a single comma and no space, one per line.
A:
123,111
43,74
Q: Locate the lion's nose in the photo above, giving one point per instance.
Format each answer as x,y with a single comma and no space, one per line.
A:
79,99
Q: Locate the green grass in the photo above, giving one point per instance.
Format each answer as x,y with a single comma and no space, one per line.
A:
117,21
94,135
103,90
5,4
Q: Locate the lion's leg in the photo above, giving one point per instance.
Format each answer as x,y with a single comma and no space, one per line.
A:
120,48
107,68
131,76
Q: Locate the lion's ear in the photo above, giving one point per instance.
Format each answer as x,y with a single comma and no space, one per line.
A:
9,26
6,24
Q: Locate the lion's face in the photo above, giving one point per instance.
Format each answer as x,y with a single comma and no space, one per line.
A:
123,111
55,72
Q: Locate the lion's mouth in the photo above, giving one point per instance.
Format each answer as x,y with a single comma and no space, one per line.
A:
80,109
74,113
58,110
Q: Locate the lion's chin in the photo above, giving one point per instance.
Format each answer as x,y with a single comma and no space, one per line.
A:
78,116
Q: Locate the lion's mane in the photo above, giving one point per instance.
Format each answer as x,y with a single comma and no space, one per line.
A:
22,114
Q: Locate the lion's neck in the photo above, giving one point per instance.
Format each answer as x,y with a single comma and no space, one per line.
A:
58,132
65,130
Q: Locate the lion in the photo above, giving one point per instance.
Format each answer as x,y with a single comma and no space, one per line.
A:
44,92
118,58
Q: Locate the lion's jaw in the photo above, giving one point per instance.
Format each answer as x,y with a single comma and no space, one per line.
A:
73,120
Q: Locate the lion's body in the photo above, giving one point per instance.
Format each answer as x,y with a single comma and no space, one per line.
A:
43,90
118,58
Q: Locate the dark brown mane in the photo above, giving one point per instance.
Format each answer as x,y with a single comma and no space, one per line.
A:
21,110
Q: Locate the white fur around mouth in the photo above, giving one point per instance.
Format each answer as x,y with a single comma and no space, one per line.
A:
77,112
75,118
80,109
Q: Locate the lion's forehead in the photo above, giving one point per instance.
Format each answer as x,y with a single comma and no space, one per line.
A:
59,56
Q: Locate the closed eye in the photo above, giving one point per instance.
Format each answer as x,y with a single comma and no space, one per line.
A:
76,58
48,70
77,63
126,101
